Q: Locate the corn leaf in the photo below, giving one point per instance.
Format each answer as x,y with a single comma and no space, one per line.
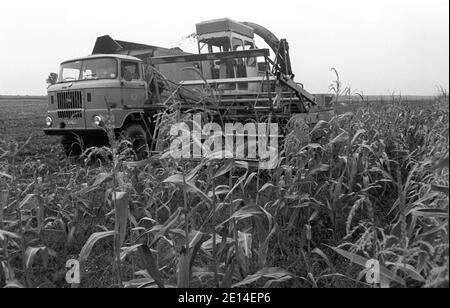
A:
224,169
430,213
26,200
361,261
343,137
265,187
93,239
325,258
101,178
192,188
208,244
355,137
183,270
150,264
2,174
442,189
3,203
245,212
245,243
6,234
442,163
320,168
128,250
238,183
408,270
8,272
138,283
195,243
276,274
188,184
163,229
227,279
250,179
13,284
32,252
121,214
319,126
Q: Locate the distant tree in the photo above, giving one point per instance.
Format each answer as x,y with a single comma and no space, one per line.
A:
442,93
52,78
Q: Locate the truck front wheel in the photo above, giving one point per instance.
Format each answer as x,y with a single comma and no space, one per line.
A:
72,145
137,139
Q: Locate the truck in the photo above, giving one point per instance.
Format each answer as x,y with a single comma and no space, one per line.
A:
131,82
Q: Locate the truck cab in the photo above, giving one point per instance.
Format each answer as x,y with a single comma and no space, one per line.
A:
88,90
226,35
87,87
115,80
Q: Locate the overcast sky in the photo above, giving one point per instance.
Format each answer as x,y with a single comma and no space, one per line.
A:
378,46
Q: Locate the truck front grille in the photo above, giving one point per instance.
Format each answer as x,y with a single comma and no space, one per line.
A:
70,114
70,104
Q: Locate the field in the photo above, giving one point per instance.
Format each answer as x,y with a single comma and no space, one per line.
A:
376,189
21,119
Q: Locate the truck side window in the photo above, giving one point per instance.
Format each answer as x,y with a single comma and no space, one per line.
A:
131,67
250,61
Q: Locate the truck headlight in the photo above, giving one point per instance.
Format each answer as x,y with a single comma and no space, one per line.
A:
98,121
48,121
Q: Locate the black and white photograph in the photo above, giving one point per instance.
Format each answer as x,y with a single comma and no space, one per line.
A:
227,152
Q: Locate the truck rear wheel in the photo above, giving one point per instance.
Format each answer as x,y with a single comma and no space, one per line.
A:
136,135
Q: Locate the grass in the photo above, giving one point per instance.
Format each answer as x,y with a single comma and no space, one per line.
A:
376,188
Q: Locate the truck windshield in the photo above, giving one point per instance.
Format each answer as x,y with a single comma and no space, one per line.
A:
92,69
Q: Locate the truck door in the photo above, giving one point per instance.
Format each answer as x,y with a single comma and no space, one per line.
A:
251,65
134,92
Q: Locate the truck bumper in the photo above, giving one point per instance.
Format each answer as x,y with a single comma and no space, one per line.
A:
70,131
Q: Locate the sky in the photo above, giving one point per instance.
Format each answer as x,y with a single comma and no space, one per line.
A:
378,46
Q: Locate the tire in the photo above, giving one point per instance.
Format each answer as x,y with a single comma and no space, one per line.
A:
72,145
138,138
